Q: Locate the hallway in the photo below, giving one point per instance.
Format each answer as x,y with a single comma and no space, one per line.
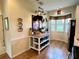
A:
57,50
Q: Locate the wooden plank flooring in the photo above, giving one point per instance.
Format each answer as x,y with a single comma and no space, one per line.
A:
56,50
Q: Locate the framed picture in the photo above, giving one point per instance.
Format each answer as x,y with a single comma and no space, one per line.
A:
6,23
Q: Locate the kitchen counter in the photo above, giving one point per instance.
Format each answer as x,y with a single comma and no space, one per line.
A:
41,35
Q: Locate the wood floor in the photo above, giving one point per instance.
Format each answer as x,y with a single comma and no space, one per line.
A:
56,50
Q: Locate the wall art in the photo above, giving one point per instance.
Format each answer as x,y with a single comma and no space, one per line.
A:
20,24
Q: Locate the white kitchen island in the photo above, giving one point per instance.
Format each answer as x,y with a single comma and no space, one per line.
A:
39,42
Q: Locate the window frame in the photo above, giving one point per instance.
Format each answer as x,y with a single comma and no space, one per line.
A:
64,26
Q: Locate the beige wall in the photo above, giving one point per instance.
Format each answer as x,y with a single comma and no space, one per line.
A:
1,7
0,12
7,34
17,42
20,46
62,35
2,48
77,27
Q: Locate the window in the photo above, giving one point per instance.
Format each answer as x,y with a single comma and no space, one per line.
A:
52,25
60,25
67,24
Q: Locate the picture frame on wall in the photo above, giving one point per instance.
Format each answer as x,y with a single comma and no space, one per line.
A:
6,23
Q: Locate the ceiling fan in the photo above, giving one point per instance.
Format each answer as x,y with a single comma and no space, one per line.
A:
40,9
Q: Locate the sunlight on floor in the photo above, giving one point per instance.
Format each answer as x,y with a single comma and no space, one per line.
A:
56,53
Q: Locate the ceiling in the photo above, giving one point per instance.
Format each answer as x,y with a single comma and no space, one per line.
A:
55,4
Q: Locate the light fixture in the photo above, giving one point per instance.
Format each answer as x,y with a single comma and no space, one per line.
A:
40,10
39,2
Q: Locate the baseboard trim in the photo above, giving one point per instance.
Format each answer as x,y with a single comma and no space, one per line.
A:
20,53
2,51
60,40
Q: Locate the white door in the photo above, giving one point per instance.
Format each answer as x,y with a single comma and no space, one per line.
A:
1,37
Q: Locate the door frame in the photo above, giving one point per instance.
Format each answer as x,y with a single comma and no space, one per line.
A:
3,33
